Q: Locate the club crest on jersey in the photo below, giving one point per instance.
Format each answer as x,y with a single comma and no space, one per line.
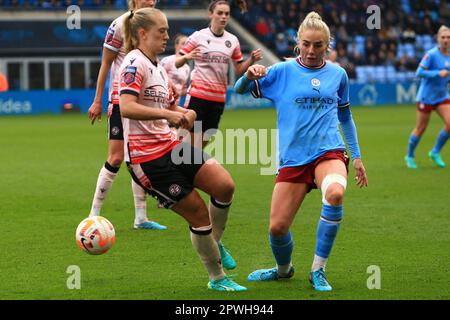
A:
109,35
315,82
228,43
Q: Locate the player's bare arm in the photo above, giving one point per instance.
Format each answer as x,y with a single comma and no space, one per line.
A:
130,108
189,115
255,56
181,60
95,110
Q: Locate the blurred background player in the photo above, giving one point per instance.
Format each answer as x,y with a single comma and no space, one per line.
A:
332,57
311,97
4,86
113,54
434,69
179,76
211,49
148,108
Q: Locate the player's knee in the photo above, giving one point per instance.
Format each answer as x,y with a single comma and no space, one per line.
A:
225,191
420,130
333,189
278,229
201,218
115,160
335,194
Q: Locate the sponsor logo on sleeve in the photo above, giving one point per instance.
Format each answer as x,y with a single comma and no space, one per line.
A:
130,75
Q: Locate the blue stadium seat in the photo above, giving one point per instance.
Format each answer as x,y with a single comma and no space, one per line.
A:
401,76
409,50
400,50
391,74
361,74
380,73
428,42
410,75
361,44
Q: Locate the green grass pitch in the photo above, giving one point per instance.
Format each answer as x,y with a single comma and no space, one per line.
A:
49,167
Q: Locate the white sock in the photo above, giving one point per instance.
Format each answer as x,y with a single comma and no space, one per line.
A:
218,216
208,251
284,269
318,263
140,203
104,183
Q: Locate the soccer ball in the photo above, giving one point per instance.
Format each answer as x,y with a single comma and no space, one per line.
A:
95,235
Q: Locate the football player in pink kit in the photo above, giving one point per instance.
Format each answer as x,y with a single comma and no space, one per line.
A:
212,49
152,150
113,54
179,76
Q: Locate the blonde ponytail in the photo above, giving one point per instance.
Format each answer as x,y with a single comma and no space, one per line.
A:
140,19
127,37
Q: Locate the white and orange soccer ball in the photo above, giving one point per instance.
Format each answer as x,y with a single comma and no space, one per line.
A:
95,235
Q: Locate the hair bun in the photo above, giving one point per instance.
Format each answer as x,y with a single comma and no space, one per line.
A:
313,15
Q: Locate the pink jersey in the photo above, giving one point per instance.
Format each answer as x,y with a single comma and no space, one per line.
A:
146,140
209,79
179,76
114,41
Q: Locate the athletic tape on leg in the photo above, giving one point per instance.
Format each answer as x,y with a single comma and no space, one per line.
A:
329,180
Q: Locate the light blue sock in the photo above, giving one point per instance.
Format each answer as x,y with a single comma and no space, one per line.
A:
282,248
440,141
412,144
327,229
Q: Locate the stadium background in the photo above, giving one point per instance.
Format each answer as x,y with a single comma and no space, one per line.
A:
49,160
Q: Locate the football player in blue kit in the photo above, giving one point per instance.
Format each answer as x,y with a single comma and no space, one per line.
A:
311,97
434,69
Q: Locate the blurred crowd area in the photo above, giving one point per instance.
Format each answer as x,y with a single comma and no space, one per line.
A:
391,53
91,4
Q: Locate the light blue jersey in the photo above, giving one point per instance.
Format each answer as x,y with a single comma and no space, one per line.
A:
433,88
307,102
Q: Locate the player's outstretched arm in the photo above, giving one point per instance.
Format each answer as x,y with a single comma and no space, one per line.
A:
95,110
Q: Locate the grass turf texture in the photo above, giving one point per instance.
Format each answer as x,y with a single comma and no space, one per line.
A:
49,167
